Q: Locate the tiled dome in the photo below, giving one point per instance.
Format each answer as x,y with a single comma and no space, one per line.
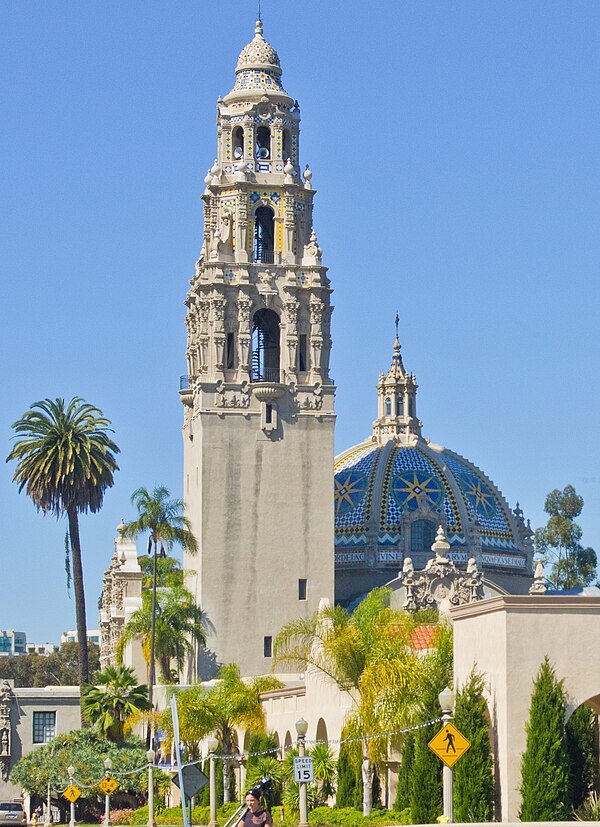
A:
258,54
377,487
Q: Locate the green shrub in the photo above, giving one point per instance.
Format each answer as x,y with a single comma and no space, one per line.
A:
474,790
545,762
582,745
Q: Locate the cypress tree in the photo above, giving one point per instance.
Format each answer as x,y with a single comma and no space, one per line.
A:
426,802
474,791
582,745
545,762
407,754
349,782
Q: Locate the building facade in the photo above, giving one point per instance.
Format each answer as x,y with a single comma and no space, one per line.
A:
258,399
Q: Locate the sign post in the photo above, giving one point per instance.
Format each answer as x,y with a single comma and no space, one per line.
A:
449,745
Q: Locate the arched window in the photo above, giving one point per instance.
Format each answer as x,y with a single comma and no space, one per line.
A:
238,143
411,406
400,406
388,406
422,535
265,346
286,145
263,143
264,235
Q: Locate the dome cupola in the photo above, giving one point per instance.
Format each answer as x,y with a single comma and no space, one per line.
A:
258,69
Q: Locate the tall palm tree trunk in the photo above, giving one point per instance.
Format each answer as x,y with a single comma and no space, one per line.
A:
367,778
82,644
227,750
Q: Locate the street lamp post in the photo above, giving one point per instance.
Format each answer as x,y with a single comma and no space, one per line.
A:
107,767
301,730
151,755
446,699
71,771
47,816
212,744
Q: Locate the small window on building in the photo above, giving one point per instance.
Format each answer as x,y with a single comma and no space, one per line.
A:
400,406
422,536
268,646
269,414
411,406
303,353
388,406
230,363
44,727
302,589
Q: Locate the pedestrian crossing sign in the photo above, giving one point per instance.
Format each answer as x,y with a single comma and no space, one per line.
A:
449,744
72,793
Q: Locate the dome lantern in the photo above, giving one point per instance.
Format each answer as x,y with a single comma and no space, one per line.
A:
397,402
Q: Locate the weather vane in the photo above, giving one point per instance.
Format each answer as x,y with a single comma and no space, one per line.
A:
397,323
259,17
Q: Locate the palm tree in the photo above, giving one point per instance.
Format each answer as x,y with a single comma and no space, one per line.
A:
65,462
232,703
366,653
164,519
178,625
115,697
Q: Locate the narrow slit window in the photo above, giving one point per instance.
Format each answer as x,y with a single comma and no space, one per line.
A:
388,406
268,646
302,589
230,351
303,353
269,414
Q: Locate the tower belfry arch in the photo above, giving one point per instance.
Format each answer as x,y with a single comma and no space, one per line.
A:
258,398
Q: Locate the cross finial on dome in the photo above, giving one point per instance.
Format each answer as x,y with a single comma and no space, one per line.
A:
397,323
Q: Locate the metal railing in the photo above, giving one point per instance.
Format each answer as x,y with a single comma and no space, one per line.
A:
266,257
265,375
184,382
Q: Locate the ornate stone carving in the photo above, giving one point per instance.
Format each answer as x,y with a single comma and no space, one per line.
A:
441,584
232,398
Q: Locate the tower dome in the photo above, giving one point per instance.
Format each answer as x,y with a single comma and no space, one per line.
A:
393,490
258,68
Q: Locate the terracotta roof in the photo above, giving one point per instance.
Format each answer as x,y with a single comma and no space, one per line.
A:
423,637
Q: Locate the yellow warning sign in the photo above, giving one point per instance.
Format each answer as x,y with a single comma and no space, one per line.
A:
449,744
72,793
108,785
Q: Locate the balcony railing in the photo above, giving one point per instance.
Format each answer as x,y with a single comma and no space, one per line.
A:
184,382
265,375
266,257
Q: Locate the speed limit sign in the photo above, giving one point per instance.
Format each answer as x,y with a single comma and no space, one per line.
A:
304,769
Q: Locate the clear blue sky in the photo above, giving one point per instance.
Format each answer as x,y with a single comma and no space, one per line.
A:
455,152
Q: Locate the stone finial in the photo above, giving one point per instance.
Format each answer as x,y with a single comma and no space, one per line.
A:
408,567
258,29
307,178
121,528
441,545
539,580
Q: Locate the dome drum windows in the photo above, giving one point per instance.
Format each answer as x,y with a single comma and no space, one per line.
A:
422,536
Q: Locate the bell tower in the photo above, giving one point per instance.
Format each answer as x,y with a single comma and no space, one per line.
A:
258,399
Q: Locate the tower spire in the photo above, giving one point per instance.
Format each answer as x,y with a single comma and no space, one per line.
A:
397,400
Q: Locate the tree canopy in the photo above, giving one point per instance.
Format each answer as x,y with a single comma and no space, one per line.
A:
558,542
60,668
367,653
65,462
115,698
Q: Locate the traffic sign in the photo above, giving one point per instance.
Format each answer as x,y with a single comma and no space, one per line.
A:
449,744
108,785
72,793
304,769
193,779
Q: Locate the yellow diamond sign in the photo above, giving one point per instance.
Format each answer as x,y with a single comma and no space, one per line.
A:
449,744
72,793
108,785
